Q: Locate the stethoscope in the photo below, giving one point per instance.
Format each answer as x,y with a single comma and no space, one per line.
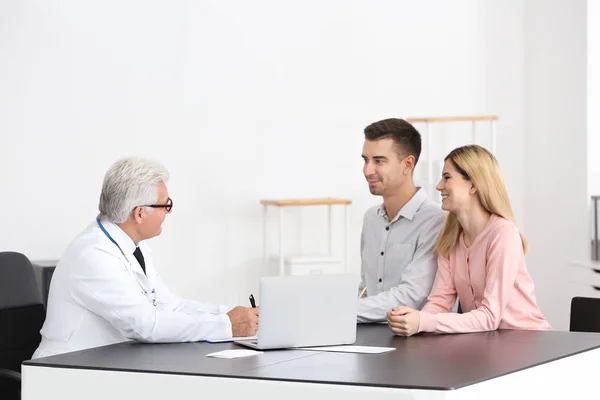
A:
144,291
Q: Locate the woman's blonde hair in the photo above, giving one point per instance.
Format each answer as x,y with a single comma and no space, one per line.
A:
479,166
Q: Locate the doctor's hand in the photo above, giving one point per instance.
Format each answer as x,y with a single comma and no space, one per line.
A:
404,321
244,321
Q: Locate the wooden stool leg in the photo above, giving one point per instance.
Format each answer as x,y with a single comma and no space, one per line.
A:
263,267
345,255
281,259
330,230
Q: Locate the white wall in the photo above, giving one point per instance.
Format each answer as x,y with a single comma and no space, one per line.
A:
555,168
593,87
250,100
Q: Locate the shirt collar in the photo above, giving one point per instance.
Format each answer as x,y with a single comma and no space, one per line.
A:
123,240
410,208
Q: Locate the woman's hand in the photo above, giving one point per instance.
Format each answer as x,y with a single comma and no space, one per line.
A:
404,321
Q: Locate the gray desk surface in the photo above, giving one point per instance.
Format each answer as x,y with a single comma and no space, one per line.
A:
425,361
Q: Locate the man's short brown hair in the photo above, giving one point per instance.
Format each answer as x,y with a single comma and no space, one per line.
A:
406,138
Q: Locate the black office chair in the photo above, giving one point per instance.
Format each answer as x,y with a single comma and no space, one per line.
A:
585,314
22,315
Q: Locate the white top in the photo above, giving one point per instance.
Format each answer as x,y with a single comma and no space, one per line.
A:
99,297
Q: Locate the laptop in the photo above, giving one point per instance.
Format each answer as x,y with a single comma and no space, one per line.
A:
306,311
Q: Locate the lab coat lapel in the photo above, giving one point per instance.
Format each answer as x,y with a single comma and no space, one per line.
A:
150,276
138,273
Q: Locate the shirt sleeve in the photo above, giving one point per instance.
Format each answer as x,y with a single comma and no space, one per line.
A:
416,282
443,294
504,255
167,300
103,285
171,302
362,283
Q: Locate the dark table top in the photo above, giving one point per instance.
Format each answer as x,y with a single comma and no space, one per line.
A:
424,361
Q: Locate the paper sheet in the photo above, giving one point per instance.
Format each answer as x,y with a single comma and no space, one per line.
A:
352,349
234,353
231,339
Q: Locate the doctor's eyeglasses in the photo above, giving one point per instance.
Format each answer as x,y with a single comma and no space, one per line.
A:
168,206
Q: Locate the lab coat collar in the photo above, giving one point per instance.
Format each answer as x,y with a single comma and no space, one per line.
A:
120,237
127,245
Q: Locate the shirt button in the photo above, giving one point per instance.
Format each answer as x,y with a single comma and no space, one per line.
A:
382,253
387,228
379,280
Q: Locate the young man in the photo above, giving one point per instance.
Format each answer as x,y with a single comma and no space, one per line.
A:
105,288
398,236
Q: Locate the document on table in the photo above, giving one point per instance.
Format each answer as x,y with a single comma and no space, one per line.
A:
352,349
231,339
237,353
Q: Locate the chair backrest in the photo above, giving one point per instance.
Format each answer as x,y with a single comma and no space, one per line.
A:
585,314
22,311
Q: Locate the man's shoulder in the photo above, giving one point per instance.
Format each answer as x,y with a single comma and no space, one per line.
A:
430,218
88,247
91,235
431,210
373,210
372,214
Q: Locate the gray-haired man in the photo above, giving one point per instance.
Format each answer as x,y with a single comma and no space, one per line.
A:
105,288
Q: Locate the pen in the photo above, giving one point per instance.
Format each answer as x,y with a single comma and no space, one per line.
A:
362,292
252,303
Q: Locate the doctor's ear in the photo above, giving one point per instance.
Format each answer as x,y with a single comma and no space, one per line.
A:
138,214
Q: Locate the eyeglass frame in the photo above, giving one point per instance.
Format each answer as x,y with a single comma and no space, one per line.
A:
168,206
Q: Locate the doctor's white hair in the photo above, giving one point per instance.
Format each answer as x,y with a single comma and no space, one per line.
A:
129,183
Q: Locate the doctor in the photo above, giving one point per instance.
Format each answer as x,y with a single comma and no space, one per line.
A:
105,288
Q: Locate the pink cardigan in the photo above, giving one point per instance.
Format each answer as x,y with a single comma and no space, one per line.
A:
492,282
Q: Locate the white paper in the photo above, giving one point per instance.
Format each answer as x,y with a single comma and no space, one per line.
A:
234,353
352,349
232,339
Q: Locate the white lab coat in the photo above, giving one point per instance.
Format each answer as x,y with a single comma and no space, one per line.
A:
98,297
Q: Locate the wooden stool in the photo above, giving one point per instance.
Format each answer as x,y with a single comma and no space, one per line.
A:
305,261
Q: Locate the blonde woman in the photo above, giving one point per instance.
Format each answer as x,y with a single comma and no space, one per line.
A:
481,256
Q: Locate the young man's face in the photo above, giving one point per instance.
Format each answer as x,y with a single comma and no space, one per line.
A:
384,169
